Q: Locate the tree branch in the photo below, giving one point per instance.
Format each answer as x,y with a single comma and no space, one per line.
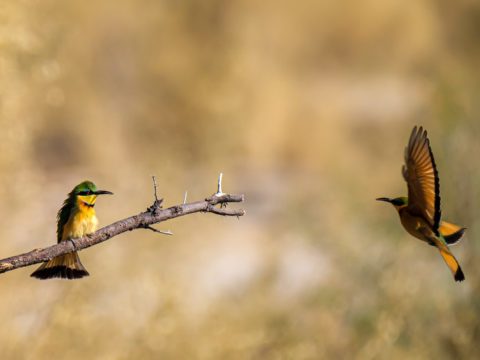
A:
144,220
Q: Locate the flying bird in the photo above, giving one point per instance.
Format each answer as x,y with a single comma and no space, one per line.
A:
420,211
75,219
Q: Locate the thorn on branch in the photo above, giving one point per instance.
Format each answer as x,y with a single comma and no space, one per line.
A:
219,186
148,227
219,191
185,197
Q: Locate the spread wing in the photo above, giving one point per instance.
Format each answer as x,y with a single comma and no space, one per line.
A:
421,175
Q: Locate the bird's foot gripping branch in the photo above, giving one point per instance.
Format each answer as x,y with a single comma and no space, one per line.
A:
215,204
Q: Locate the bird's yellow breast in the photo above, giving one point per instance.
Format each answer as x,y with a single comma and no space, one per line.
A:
82,222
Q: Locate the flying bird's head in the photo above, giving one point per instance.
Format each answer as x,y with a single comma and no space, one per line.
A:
398,202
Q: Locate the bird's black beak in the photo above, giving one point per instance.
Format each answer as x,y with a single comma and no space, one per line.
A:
385,199
103,192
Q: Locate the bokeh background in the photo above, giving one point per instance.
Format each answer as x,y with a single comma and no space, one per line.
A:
306,108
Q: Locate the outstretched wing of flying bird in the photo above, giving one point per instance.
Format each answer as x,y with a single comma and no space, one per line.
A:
421,175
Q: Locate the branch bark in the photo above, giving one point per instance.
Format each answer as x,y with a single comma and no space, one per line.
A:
154,214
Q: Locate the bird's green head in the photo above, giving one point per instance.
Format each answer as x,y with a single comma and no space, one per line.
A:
87,192
398,202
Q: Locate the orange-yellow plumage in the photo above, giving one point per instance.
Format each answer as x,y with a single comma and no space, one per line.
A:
447,228
76,218
83,222
420,212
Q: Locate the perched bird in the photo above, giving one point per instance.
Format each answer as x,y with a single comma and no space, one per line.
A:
420,212
75,219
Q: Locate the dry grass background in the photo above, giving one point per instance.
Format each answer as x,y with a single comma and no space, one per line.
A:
306,107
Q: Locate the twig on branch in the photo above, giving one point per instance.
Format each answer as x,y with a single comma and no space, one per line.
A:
155,187
149,227
154,214
219,186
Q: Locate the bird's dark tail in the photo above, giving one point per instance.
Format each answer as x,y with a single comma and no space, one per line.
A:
66,266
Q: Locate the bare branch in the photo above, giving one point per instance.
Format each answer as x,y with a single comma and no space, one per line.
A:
225,212
154,214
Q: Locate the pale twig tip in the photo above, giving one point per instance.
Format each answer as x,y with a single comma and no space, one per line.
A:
219,186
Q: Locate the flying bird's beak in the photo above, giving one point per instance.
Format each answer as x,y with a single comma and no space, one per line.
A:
385,199
103,192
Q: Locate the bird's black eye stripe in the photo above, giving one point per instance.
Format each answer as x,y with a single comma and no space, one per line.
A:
84,192
397,202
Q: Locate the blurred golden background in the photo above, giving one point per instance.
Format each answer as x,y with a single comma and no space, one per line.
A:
306,108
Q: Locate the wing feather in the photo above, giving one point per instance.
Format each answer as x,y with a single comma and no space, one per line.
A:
420,173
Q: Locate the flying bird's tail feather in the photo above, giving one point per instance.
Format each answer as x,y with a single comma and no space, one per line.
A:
451,233
450,260
453,265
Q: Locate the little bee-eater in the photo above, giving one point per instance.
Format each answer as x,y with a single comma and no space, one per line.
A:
420,212
75,219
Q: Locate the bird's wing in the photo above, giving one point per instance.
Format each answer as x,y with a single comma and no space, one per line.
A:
64,214
421,175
